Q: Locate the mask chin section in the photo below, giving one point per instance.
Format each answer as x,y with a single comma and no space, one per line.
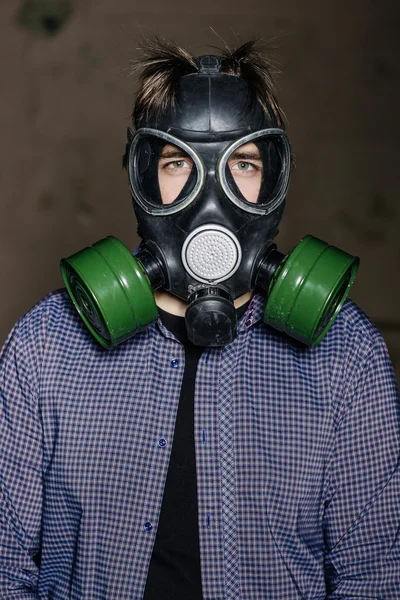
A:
210,317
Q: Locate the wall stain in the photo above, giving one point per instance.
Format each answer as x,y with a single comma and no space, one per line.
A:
371,227
88,61
366,233
84,213
85,52
385,71
46,202
44,17
380,209
57,70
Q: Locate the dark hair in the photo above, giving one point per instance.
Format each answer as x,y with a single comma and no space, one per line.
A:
162,63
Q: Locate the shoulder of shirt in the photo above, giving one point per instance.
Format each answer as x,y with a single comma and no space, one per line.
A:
352,348
353,331
351,353
54,313
51,327
55,305
352,342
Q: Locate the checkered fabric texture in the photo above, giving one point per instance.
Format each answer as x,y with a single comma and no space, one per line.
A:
297,454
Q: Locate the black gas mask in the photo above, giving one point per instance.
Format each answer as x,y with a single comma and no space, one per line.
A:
209,179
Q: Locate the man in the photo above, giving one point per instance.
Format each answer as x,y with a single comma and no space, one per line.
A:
207,455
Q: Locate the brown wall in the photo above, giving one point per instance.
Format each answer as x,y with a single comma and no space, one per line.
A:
65,105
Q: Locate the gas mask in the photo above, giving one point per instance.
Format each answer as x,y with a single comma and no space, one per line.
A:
209,178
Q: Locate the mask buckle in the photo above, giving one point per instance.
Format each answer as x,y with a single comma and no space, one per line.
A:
209,64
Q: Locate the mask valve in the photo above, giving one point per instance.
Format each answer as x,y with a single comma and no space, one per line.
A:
210,317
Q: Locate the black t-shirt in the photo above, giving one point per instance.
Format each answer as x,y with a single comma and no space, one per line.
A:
174,571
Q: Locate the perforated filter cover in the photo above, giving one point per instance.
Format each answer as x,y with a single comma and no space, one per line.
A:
211,253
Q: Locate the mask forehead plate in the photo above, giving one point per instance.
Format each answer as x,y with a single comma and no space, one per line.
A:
212,104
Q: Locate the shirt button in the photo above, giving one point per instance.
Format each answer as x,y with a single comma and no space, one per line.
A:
162,442
148,526
175,363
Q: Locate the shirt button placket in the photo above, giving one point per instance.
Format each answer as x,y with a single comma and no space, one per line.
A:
162,443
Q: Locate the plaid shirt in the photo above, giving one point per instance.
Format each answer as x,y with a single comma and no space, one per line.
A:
296,451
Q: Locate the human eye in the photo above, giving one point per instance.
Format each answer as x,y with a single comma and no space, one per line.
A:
180,165
177,165
244,167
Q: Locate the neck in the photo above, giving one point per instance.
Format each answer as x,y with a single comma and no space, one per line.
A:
175,306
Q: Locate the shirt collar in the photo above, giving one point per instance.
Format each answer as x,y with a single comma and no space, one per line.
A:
253,314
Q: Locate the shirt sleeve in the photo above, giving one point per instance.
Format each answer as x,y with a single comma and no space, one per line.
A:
20,467
362,503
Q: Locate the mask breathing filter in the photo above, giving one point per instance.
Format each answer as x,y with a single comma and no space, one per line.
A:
112,291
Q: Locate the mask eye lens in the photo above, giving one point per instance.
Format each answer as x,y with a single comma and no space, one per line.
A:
245,168
174,169
162,173
254,170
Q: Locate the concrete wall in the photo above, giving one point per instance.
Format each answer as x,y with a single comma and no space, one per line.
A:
66,102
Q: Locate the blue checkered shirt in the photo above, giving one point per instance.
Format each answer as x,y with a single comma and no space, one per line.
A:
296,450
